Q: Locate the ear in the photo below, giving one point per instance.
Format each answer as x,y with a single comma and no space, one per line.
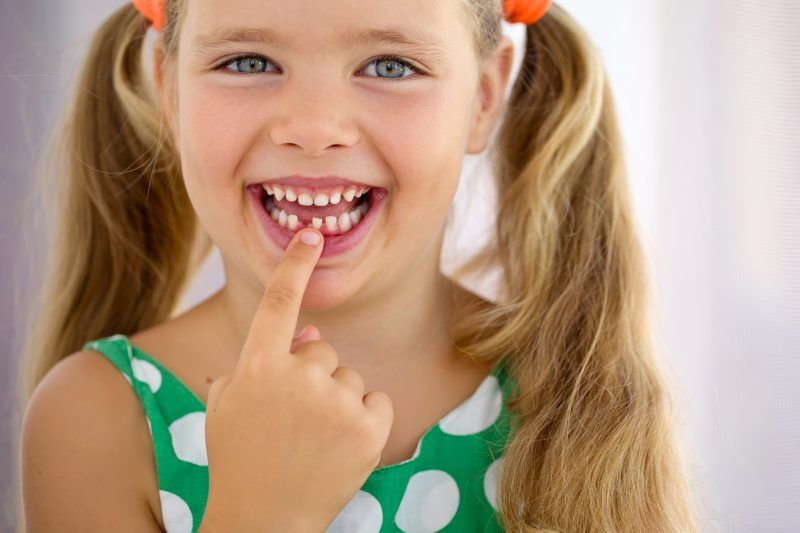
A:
493,79
164,76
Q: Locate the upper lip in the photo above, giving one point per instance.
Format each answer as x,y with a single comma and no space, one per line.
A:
321,182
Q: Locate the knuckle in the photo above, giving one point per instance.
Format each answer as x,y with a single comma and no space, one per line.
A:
321,352
316,373
280,295
352,376
327,349
295,256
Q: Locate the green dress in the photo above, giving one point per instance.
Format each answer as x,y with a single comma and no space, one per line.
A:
448,485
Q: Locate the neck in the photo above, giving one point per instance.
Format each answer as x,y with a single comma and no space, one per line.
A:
401,331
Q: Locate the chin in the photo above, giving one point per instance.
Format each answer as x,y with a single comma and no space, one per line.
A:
327,289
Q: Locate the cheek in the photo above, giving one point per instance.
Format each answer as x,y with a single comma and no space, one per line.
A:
213,140
421,136
214,129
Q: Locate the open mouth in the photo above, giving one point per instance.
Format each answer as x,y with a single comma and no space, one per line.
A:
330,219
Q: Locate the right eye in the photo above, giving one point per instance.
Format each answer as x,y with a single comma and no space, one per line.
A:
247,64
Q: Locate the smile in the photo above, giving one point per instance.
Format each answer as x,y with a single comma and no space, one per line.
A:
298,211
344,219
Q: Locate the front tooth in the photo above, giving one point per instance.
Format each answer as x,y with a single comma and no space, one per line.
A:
344,222
349,195
355,216
278,192
282,218
321,199
291,195
275,213
305,199
360,192
336,197
330,222
316,222
268,188
293,222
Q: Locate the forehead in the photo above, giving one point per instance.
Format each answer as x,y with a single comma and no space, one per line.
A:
310,24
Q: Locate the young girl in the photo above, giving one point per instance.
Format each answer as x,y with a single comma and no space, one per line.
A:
346,385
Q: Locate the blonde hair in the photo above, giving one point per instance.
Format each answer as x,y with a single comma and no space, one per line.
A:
594,445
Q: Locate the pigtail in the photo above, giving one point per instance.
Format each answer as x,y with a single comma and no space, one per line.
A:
594,445
123,238
124,235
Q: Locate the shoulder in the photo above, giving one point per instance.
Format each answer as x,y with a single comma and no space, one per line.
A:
85,449
85,389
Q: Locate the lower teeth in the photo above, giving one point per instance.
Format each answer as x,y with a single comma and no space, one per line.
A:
334,225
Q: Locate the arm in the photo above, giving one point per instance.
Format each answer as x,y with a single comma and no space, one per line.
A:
81,451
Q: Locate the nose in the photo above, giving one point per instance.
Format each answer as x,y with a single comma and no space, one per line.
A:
313,116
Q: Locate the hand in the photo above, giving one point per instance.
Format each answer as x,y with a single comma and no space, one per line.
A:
290,435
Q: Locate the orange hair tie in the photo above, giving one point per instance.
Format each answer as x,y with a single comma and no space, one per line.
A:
527,11
153,11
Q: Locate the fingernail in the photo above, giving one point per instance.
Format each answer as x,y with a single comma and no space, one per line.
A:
310,237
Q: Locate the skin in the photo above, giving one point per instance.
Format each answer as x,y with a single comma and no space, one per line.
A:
321,109
382,306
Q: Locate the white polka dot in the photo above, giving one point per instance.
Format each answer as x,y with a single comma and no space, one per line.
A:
429,503
147,372
176,513
189,438
490,482
363,514
478,413
129,379
149,426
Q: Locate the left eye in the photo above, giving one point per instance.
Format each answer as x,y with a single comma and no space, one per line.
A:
395,64
254,64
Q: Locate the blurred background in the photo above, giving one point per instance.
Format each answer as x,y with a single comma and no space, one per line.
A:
707,92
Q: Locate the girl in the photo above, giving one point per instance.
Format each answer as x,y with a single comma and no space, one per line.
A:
347,385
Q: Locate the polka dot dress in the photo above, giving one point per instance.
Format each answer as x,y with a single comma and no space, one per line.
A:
449,484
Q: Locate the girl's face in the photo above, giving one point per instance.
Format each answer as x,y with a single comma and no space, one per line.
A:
308,96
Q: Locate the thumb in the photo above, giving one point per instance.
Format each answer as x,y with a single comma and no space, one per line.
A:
309,333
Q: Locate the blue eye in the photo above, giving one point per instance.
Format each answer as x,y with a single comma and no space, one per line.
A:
247,64
254,64
395,65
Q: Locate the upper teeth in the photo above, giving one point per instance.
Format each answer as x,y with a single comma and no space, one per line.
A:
319,199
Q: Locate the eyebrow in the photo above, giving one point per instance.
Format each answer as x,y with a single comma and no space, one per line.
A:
410,37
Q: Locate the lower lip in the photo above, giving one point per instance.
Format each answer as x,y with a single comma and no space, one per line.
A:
335,245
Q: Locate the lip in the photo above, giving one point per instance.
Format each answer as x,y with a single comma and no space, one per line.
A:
335,245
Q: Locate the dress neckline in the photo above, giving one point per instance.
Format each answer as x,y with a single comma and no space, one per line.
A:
497,372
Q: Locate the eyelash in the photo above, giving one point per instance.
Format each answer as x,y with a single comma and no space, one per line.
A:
395,59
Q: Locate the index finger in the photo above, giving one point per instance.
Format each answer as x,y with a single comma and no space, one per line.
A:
276,317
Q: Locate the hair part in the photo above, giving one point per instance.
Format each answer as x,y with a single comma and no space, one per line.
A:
594,444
